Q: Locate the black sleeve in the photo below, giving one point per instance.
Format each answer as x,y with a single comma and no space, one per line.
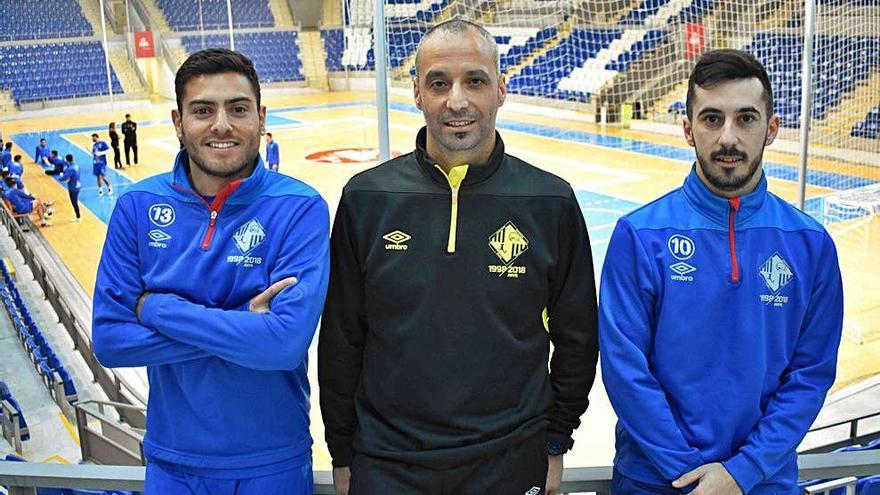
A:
341,341
573,325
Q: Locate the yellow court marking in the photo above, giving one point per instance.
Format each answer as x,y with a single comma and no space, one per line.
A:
70,428
56,458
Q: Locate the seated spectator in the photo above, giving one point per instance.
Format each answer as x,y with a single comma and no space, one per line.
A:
23,202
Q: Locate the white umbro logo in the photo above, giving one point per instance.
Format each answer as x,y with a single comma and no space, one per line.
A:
533,491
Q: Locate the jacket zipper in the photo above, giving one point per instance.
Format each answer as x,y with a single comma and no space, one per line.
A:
731,235
455,177
213,208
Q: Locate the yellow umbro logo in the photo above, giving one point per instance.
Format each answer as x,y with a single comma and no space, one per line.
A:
508,243
396,240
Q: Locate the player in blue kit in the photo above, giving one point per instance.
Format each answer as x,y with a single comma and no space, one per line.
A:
272,153
213,276
41,154
100,148
74,184
744,285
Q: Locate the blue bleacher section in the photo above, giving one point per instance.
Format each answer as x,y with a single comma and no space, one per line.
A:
334,45
637,15
402,42
6,395
694,12
187,15
42,19
782,55
68,491
55,71
870,127
41,353
651,40
515,55
276,55
541,78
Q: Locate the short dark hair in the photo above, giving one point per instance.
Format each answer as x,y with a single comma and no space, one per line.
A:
95,135
454,27
68,157
127,115
269,134
16,158
42,139
214,61
8,145
717,66
54,152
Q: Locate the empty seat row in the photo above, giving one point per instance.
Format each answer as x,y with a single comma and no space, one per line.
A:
44,358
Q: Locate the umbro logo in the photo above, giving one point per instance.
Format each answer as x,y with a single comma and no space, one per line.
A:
682,270
158,239
396,240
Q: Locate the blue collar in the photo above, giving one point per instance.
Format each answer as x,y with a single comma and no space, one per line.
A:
241,192
717,208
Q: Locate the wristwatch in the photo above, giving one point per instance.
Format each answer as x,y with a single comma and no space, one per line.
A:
559,448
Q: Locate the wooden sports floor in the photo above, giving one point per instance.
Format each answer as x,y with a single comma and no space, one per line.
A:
613,171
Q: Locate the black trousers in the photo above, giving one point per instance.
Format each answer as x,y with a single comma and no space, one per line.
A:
117,161
131,145
519,470
74,200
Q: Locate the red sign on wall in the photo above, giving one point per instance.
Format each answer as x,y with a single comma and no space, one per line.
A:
694,40
143,44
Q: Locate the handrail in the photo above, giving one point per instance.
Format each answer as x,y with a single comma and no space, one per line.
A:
588,479
853,437
73,308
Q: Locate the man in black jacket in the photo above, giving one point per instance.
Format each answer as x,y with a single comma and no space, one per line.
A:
129,130
453,269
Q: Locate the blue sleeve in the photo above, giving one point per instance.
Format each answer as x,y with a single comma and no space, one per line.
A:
279,339
626,320
66,175
810,373
117,337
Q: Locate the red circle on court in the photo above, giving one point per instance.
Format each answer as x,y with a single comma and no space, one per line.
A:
348,155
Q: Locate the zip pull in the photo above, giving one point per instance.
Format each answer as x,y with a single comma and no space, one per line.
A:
206,243
731,235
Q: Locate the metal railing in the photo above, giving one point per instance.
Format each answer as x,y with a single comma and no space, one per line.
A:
853,438
10,423
74,309
23,478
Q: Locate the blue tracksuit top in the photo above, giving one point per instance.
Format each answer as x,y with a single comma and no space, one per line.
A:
99,153
272,153
40,152
72,176
228,387
719,326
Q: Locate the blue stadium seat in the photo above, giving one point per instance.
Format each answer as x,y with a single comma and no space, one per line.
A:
185,15
276,55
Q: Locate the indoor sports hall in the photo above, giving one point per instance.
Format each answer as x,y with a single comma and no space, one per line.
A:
595,94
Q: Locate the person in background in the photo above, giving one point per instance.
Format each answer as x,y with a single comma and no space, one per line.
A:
22,202
41,154
272,155
114,143
54,161
129,130
74,184
99,164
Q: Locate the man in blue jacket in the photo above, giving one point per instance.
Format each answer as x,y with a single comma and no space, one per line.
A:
213,276
721,309
41,154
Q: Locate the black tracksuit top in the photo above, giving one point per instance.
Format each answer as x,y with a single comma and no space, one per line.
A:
434,342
